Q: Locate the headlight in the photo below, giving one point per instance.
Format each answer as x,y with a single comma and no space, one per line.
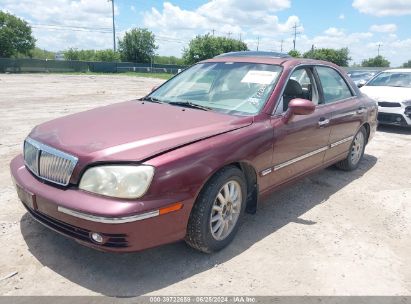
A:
118,181
407,103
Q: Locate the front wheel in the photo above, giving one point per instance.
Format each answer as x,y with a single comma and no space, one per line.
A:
356,152
216,213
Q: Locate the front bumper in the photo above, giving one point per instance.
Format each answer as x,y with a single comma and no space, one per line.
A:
88,213
398,116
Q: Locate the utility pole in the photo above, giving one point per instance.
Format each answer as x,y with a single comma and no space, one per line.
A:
379,45
240,37
229,35
295,34
282,41
258,42
114,26
213,30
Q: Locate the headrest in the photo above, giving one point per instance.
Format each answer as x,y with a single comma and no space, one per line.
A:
293,88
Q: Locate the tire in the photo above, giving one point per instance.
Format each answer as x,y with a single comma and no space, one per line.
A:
355,153
207,220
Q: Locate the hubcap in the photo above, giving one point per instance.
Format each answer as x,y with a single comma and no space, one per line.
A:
357,147
226,210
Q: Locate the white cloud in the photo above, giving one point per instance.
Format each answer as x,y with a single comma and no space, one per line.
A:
384,28
362,45
88,13
234,18
229,15
334,32
341,17
175,27
383,7
133,8
60,24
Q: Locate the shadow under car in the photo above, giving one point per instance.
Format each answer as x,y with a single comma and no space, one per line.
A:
134,274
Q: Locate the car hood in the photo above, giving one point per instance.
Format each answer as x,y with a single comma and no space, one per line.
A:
132,131
389,94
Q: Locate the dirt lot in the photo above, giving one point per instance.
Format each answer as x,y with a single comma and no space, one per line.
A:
333,233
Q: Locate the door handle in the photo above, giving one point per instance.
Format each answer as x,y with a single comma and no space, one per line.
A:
323,122
361,110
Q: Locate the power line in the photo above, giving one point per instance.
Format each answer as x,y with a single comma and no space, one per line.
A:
71,26
58,28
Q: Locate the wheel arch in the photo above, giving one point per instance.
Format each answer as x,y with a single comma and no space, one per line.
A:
367,127
250,175
252,186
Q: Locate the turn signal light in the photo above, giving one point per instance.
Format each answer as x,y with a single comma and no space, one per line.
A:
171,208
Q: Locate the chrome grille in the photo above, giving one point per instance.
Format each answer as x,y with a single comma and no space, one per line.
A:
30,157
48,163
387,104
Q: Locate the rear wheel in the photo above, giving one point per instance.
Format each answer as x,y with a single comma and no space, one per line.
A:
356,152
216,213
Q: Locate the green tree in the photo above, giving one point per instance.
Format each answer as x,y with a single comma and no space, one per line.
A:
339,57
72,54
106,55
207,46
38,53
294,53
168,60
92,55
377,61
407,64
15,36
138,45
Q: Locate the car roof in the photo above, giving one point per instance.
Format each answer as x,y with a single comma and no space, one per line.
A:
265,58
254,54
362,71
398,71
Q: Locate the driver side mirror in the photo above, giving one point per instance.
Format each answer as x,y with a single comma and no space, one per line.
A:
298,106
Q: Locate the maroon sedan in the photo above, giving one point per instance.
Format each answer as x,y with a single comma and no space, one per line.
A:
187,160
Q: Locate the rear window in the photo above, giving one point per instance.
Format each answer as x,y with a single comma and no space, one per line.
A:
334,86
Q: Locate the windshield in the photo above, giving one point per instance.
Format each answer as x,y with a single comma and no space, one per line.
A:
228,87
392,79
361,75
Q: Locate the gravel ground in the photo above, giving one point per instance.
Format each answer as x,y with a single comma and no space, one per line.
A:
333,233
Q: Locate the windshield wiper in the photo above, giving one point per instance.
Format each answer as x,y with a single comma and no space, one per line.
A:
151,99
189,104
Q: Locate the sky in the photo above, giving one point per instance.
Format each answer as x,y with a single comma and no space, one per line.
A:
361,25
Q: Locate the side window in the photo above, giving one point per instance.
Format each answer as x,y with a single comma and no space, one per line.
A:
300,85
334,86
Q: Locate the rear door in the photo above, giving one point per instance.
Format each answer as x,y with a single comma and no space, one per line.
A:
300,144
345,107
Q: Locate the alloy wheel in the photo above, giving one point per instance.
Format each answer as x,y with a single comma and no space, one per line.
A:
226,210
357,148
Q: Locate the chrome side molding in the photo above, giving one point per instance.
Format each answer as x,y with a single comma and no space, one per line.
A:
299,158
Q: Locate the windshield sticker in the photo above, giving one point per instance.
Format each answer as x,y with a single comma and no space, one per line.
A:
261,91
260,77
254,101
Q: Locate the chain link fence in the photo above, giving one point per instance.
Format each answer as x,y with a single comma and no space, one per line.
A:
27,65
